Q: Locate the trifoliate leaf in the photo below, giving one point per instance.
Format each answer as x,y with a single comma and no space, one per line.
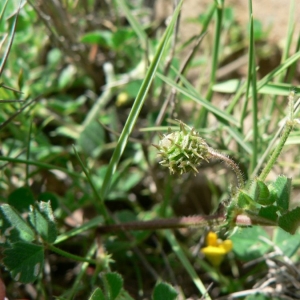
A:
269,212
261,193
42,219
290,221
244,200
97,295
114,284
247,244
164,291
14,227
282,185
288,244
24,261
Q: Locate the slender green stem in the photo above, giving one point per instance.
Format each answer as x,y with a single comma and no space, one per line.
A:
288,128
28,152
71,256
84,266
186,263
39,164
100,202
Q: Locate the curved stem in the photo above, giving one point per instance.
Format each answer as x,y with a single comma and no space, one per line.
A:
69,255
231,164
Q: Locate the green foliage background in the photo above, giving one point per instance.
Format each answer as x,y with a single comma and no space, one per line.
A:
86,88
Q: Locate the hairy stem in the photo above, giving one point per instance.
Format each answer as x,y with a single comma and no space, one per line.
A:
231,164
288,128
172,223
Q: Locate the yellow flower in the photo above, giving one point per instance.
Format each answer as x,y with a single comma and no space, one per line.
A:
216,249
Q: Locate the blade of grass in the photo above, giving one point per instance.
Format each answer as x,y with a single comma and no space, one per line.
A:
293,67
137,105
100,203
202,118
284,56
186,263
7,121
271,88
3,10
210,107
272,143
277,71
28,151
12,35
136,26
265,80
239,138
40,165
254,93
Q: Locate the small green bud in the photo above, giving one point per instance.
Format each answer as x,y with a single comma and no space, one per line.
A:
182,151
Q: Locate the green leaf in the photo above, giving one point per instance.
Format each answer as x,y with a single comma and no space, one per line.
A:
42,219
282,185
97,295
67,77
244,200
164,291
269,212
91,139
122,36
247,245
24,261
113,283
288,243
14,227
99,37
260,193
290,221
21,199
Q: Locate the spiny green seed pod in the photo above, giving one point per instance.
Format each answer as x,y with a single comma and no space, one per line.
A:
182,151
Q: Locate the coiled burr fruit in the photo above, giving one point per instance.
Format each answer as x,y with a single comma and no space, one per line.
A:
182,151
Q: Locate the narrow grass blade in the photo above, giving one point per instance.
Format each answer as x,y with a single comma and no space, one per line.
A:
281,68
210,107
100,203
202,118
40,165
239,138
137,105
134,24
186,263
12,35
3,11
254,93
271,88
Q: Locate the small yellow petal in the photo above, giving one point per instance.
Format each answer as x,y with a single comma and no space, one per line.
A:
214,255
227,245
212,239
